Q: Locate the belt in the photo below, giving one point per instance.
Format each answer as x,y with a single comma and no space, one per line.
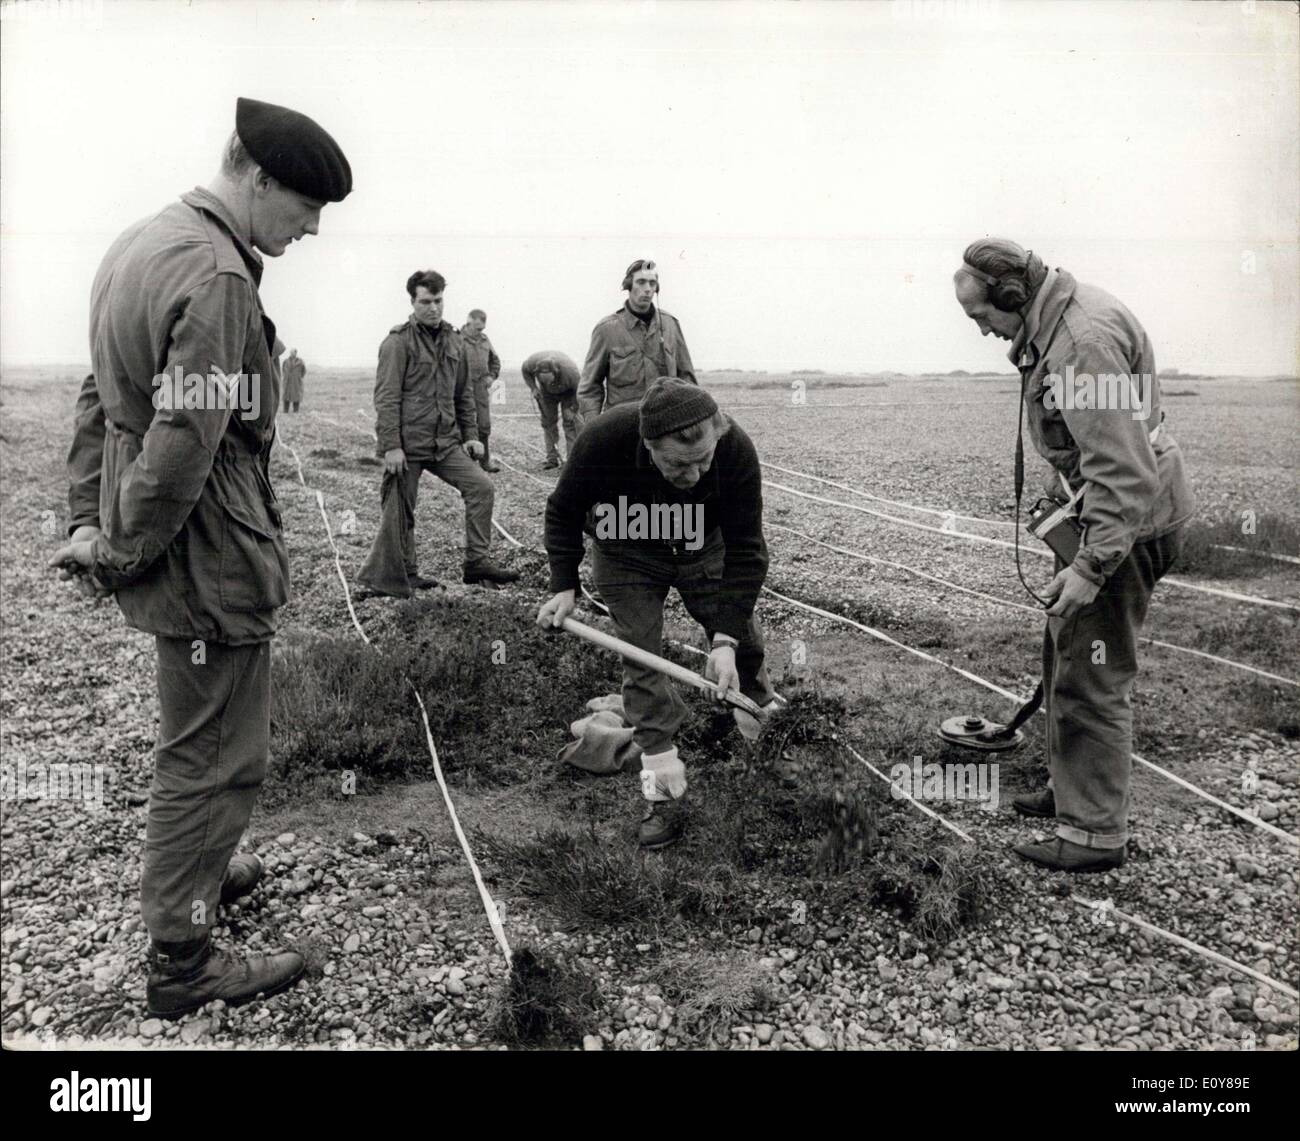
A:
661,548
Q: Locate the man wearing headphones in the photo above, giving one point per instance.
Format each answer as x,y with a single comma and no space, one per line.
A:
1090,393
631,348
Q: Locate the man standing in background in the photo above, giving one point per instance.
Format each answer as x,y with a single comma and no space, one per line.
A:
552,378
484,368
295,372
426,420
630,349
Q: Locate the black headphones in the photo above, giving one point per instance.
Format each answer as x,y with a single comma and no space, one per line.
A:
1010,292
640,263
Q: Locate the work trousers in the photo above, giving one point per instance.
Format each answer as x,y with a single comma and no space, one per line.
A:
392,562
214,738
552,410
483,403
1089,664
634,585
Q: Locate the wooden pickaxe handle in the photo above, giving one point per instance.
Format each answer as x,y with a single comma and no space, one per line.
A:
658,664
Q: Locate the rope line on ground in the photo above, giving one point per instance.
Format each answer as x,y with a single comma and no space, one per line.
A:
489,904
1253,820
1020,605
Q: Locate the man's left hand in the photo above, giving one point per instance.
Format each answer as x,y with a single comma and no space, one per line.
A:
74,561
474,449
1069,592
721,667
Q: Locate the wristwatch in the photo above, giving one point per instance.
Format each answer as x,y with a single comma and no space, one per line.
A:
725,640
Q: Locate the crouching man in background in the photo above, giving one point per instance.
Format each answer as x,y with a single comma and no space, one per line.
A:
1092,401
675,494
552,378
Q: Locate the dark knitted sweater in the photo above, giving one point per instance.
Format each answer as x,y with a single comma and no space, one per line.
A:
609,460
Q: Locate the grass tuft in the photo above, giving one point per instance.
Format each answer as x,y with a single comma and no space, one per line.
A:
1270,534
546,1002
712,991
938,885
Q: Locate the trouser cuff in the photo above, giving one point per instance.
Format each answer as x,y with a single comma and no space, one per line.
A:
1078,836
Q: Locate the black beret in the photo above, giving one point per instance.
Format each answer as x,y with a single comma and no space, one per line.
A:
293,149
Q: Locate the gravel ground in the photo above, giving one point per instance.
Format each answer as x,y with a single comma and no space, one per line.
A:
399,952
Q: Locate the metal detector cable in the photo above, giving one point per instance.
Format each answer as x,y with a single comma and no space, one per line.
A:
1020,470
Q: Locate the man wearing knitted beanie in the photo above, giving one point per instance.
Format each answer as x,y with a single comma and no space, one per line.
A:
671,492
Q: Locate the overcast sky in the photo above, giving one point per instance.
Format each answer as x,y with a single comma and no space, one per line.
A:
807,174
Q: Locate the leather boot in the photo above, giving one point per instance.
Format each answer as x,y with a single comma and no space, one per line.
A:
487,571
662,824
242,874
1035,803
185,976
1065,856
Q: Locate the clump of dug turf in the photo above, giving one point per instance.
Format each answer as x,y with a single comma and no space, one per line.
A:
938,885
797,745
546,1002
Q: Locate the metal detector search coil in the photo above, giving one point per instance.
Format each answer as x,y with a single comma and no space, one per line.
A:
973,732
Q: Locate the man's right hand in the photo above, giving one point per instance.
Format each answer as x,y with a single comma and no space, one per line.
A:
395,461
553,613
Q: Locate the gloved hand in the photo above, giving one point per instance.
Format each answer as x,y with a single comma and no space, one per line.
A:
663,776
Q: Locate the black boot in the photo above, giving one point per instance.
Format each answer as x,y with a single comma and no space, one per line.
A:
487,571
1065,856
1035,803
662,823
185,976
242,874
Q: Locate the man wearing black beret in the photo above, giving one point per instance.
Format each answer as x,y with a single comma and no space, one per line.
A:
631,348
675,496
172,510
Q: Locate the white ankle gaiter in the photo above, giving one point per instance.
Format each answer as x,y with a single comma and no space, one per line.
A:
663,776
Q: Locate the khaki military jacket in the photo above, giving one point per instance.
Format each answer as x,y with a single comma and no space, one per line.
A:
424,401
1092,405
627,356
174,428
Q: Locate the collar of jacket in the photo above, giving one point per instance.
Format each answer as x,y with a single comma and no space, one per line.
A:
416,328
203,199
631,320
1043,317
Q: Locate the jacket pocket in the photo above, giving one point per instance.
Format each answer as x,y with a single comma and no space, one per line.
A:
253,571
624,367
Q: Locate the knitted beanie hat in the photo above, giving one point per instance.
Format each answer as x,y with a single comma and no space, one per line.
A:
670,404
